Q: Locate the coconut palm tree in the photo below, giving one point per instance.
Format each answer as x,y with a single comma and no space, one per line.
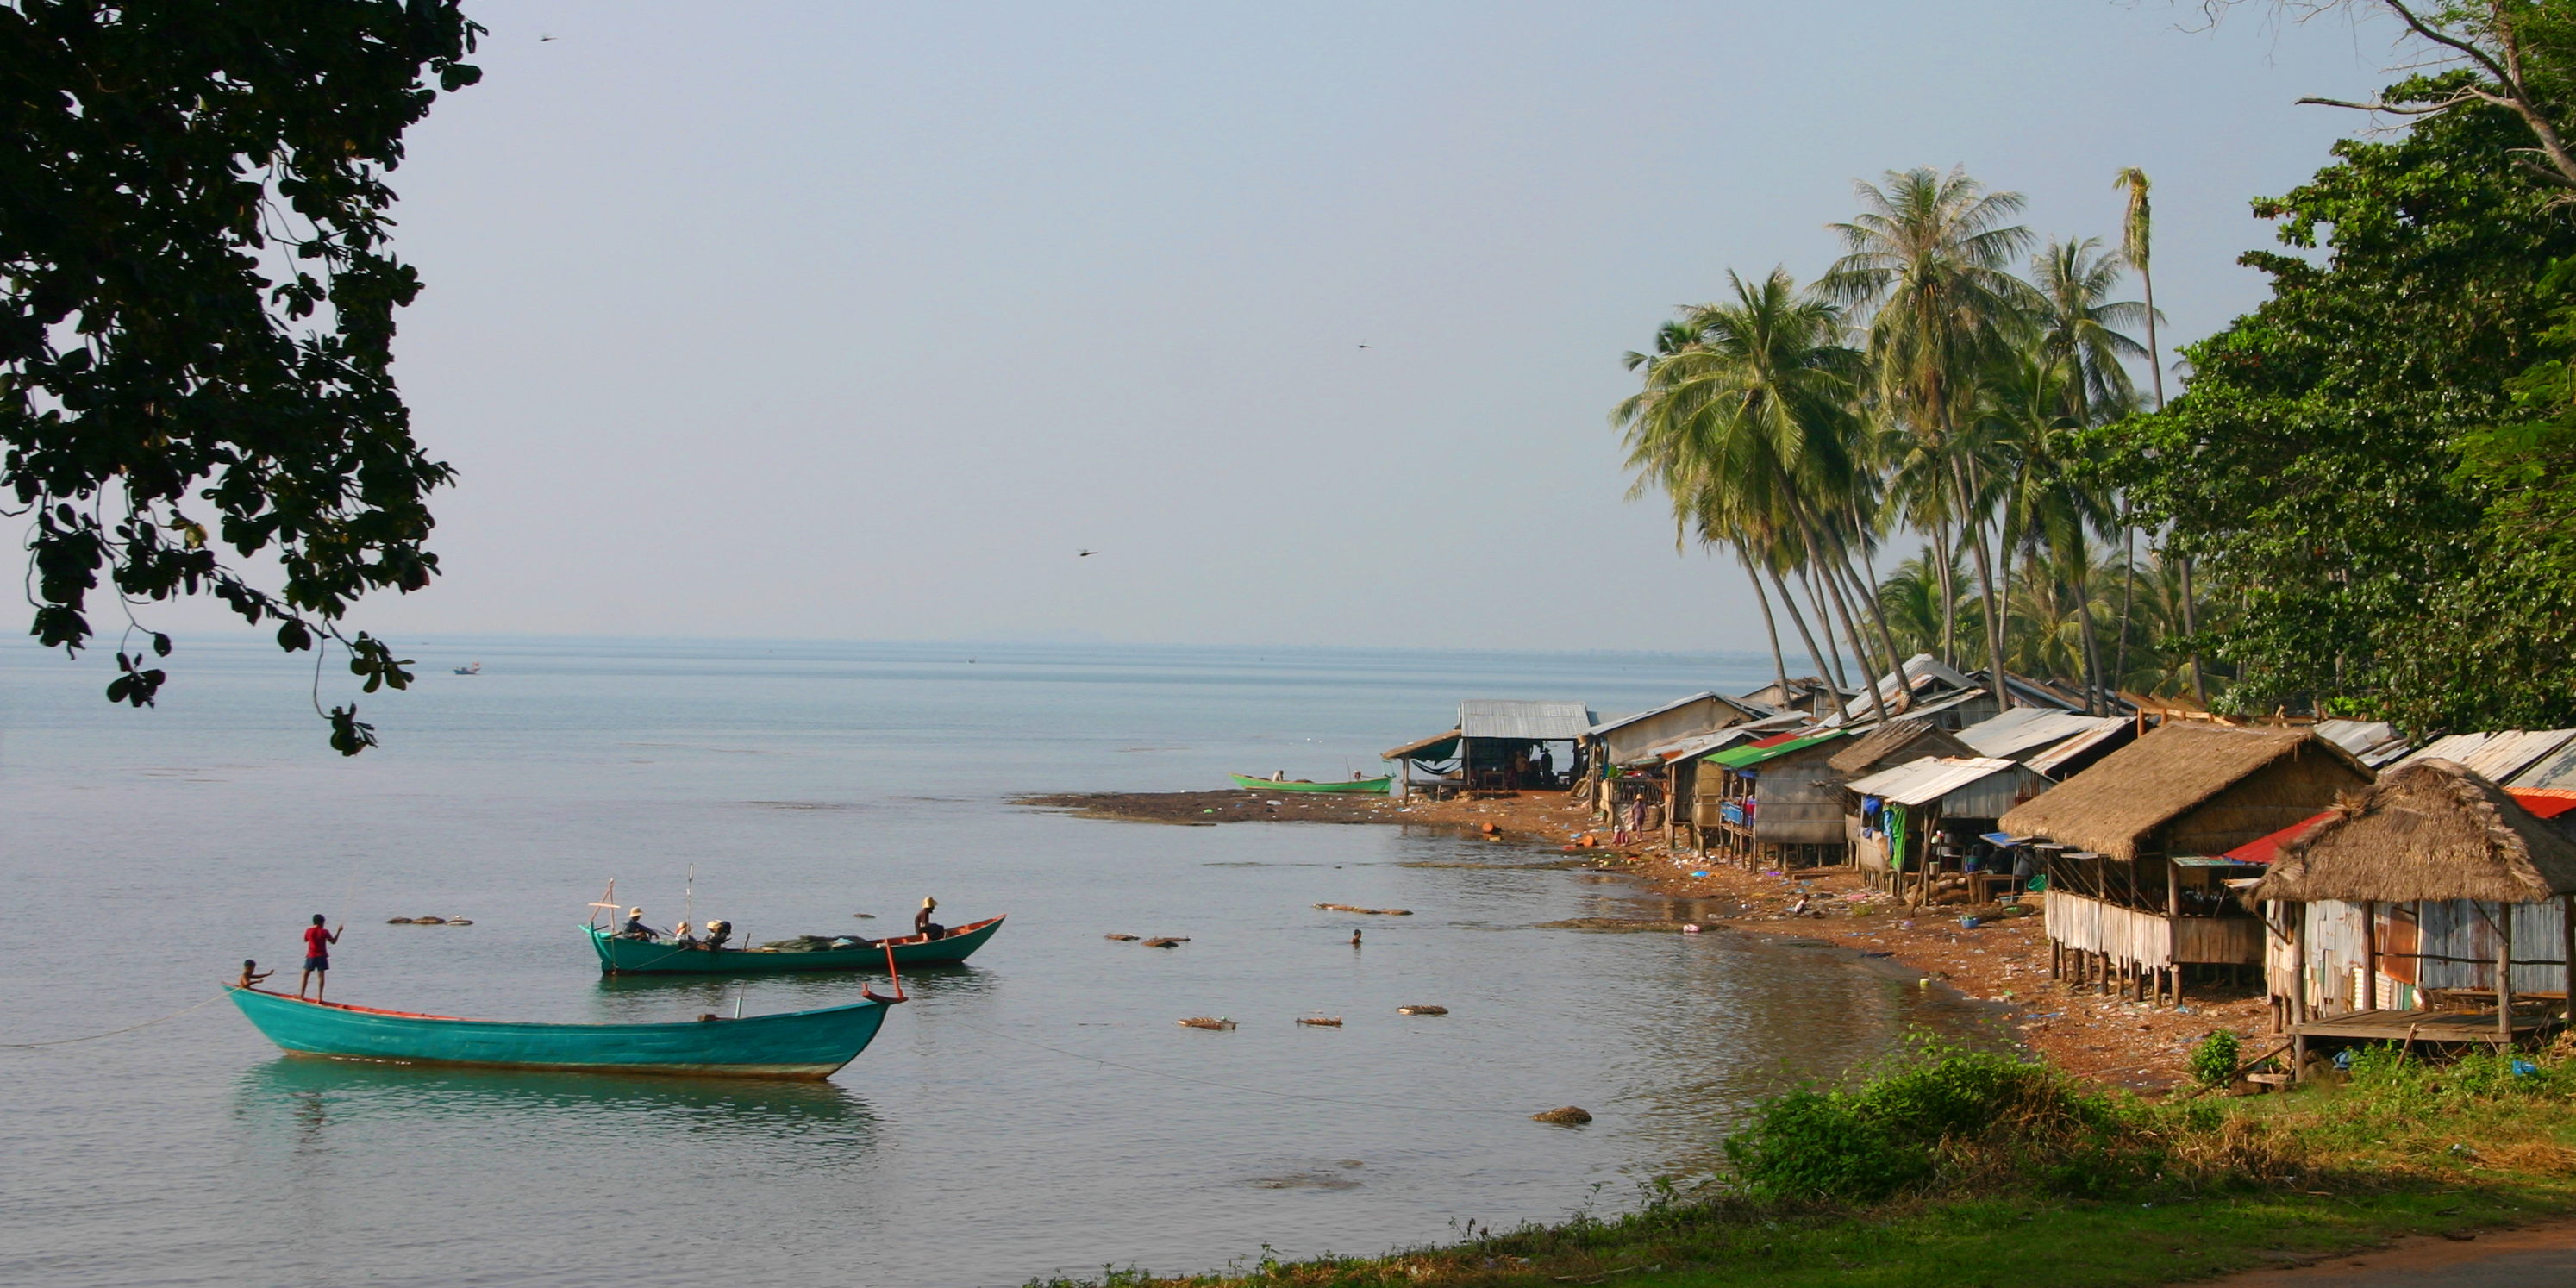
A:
2137,226
1747,426
1931,254
2080,327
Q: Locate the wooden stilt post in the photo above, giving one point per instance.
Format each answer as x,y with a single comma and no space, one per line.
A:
2369,999
2567,952
2504,973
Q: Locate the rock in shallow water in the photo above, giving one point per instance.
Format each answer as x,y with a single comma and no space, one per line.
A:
1568,1116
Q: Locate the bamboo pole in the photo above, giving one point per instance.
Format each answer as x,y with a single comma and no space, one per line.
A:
2369,1000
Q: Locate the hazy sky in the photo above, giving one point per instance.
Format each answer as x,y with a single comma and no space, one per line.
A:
857,321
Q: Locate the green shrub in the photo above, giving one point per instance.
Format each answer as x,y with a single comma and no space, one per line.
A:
1808,1145
2214,1061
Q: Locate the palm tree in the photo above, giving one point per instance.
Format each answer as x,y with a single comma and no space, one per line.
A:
2137,225
2079,328
1932,254
1746,425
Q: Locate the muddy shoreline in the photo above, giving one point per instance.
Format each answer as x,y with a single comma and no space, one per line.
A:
2001,960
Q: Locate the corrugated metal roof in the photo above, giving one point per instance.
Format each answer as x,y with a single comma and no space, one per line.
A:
2498,757
1773,748
1929,779
1621,722
2026,729
1529,721
2055,758
1698,744
2556,769
2372,742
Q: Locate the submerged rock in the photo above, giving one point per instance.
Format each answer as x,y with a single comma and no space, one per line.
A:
1568,1116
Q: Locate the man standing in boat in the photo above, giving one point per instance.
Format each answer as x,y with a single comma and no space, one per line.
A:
317,957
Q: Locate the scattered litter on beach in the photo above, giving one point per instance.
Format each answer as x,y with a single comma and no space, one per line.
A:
1422,1010
1321,1021
1207,1022
1568,1116
1124,939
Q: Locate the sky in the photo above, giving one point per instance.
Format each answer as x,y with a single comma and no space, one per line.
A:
859,321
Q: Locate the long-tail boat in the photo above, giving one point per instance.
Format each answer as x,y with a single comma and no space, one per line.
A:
623,956
1370,786
793,1044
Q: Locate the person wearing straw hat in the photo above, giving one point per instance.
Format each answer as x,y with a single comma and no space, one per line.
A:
923,926
635,927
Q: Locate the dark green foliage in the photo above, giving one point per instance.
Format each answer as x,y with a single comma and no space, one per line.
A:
2314,464
2214,1061
196,346
1939,1111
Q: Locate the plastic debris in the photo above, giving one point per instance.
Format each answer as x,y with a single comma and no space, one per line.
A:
1321,1021
1422,1010
1218,1022
1690,928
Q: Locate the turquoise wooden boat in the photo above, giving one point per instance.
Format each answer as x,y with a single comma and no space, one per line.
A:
1370,786
795,1044
662,957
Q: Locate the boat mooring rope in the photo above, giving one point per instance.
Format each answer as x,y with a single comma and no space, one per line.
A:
1233,1086
93,1037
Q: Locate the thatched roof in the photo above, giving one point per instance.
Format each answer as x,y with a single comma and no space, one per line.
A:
2427,832
2115,806
1913,738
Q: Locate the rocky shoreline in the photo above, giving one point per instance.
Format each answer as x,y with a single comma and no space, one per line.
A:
2001,959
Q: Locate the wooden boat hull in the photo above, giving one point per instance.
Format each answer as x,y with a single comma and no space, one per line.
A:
795,1044
1367,786
648,957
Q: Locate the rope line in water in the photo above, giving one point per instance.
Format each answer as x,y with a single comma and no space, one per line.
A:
21,1046
1232,1086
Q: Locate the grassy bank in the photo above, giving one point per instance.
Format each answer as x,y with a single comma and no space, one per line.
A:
1956,1167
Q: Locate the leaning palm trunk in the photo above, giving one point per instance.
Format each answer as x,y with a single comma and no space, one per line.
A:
1974,530
1824,619
1867,591
1814,655
1869,681
1948,574
1770,626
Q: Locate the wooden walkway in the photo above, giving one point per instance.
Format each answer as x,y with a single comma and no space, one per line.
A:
2428,1026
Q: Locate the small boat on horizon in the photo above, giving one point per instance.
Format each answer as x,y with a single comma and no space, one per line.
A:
622,956
1370,786
807,1045
475,669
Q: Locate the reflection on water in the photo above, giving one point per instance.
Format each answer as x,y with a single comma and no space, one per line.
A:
310,1091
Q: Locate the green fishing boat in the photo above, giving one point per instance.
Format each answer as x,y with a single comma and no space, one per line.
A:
1356,786
621,956
794,1044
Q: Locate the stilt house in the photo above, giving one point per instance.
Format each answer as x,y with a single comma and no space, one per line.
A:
2135,849
2414,906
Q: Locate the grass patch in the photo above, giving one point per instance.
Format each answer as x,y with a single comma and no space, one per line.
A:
1956,1167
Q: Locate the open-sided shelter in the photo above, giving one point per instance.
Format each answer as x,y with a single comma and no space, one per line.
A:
2433,886
1932,816
2134,849
1501,745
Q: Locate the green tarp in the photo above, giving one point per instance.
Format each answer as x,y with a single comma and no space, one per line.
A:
1741,757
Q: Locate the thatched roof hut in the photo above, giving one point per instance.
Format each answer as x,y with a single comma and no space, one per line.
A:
2428,832
2190,788
1895,743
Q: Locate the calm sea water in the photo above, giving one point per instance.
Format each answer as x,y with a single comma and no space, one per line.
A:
1038,1111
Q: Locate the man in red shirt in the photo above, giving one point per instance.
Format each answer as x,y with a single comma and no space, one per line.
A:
317,957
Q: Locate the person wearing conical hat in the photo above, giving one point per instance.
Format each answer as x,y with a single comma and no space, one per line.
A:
923,926
635,927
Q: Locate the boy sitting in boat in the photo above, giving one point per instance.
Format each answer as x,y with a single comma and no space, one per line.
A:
252,974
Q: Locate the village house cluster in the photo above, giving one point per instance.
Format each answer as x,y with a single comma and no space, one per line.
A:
2373,890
